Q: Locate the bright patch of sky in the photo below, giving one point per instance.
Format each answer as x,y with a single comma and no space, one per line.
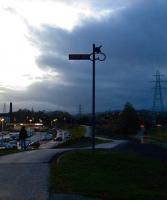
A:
55,13
18,68
17,54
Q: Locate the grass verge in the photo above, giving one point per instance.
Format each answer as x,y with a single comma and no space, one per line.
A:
109,175
79,143
77,132
159,133
8,151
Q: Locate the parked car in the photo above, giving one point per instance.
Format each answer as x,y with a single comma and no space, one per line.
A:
47,137
14,136
2,146
8,145
34,145
29,134
59,139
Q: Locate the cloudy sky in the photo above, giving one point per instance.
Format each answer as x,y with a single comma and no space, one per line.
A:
37,36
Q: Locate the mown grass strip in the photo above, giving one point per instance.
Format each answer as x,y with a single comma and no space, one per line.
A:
77,132
109,175
159,133
79,143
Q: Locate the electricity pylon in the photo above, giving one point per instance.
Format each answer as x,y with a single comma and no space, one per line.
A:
158,104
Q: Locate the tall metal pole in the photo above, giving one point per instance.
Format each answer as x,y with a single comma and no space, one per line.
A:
96,55
158,105
93,101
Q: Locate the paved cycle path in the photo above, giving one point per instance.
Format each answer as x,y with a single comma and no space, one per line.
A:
24,175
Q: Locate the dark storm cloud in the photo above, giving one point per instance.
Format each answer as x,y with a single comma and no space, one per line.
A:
135,42
134,39
135,35
47,95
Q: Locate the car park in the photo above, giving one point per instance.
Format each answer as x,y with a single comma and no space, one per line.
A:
34,145
46,137
7,145
14,135
2,146
59,139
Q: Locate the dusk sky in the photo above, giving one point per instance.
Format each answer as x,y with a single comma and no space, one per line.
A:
37,36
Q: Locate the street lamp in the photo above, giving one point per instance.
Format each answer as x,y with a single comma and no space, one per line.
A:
2,121
95,55
53,121
40,120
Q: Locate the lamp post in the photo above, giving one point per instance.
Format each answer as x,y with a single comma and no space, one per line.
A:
53,122
2,126
30,120
95,55
2,120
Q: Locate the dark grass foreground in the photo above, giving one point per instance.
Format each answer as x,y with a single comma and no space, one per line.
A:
109,175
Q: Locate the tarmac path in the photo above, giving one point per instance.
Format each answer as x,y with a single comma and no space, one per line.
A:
24,175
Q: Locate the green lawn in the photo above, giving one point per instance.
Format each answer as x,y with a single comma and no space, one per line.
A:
77,139
77,132
158,136
109,175
159,133
80,142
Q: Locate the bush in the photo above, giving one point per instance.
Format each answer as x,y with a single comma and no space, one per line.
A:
128,120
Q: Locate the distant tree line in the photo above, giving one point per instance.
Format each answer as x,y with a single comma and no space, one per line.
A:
123,123
47,118
110,123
